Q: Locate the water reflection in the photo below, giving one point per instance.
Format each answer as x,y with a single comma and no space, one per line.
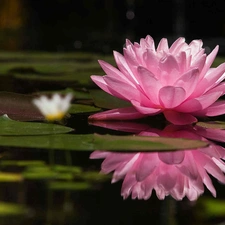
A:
179,174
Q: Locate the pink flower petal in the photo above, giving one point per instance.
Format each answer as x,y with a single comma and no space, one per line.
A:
128,113
151,44
123,67
185,168
182,62
199,103
209,60
178,118
99,154
151,61
144,168
211,79
163,45
172,158
113,72
114,160
149,83
188,81
176,45
124,91
127,185
171,97
99,80
124,167
144,109
199,63
168,64
195,46
216,109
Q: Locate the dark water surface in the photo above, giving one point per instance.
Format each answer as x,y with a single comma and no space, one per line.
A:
55,187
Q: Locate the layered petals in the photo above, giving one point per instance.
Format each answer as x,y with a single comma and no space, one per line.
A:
172,80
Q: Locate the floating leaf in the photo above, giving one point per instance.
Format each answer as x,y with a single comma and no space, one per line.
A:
213,207
73,186
22,163
107,101
18,106
63,168
11,127
7,209
95,176
212,124
79,108
45,172
142,143
10,177
92,142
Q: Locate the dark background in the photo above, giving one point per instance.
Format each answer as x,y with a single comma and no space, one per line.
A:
103,25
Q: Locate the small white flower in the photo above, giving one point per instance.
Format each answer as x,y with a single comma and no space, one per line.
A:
53,108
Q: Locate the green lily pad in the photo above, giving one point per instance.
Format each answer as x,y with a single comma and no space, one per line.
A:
71,169
8,209
79,108
21,163
212,125
73,186
95,176
213,207
92,142
12,127
10,177
45,173
107,101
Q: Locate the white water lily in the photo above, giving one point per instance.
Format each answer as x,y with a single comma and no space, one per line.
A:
54,108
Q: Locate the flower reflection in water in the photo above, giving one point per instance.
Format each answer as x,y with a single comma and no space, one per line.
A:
179,174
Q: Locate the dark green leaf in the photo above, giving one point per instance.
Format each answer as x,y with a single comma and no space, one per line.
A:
7,209
10,177
212,124
73,186
12,127
79,108
101,142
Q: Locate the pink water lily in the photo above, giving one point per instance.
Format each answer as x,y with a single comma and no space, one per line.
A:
176,81
179,174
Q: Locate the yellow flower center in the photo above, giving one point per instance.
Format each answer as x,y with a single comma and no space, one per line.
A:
56,116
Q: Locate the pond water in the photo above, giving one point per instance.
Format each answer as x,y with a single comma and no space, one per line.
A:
47,176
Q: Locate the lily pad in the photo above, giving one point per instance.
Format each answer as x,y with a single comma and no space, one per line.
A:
213,207
79,108
22,163
18,106
73,186
10,177
45,173
8,209
93,142
12,127
212,125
